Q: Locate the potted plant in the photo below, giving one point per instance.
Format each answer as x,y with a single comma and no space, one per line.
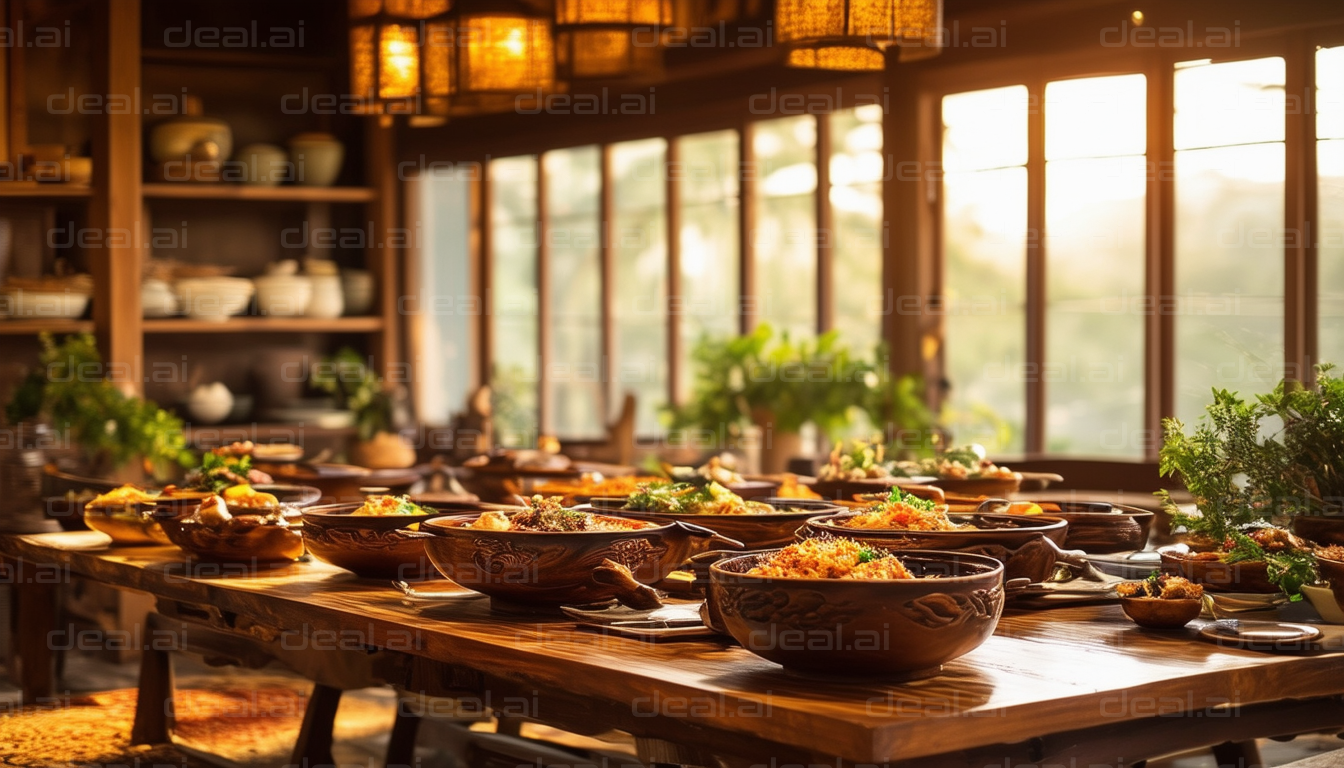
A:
118,436
775,384
1310,454
361,391
1243,490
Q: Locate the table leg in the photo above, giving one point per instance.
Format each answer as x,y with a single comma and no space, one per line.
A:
401,745
1237,754
37,609
313,747
154,700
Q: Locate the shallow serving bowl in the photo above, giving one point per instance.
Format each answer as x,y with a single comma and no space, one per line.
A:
1157,613
1028,546
551,569
18,302
847,490
980,486
862,628
127,524
760,531
244,540
1095,527
375,546
1215,575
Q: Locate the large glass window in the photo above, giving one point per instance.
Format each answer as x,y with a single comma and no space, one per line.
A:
1330,185
639,298
1095,188
708,242
444,303
984,246
574,372
1229,133
513,297
856,216
785,240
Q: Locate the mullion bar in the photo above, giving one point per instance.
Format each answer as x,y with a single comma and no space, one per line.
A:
1300,210
746,209
543,303
607,280
825,227
672,210
483,260
1160,246
1036,265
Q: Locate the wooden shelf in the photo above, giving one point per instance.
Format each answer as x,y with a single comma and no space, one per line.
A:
34,327
33,189
248,59
371,324
221,191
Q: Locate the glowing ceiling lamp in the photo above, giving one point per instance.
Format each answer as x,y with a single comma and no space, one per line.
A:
855,35
400,56
609,39
504,56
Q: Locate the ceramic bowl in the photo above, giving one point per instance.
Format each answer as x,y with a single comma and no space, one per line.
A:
264,165
157,299
552,569
210,403
175,138
754,531
283,295
1096,527
20,303
317,159
245,539
979,486
375,547
1156,613
1028,547
846,490
1215,575
214,298
127,524
357,289
862,628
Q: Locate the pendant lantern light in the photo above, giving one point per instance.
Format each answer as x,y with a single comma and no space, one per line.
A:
855,34
599,40
504,56
400,56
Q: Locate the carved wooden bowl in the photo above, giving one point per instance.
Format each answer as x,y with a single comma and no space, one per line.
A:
1217,576
862,628
1332,571
376,547
552,569
245,539
1028,546
761,531
1157,613
1322,529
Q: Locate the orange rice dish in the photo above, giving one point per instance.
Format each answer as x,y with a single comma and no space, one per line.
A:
901,516
831,559
611,486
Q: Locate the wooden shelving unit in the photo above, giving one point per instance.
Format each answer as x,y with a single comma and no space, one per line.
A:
11,189
271,194
34,327
369,324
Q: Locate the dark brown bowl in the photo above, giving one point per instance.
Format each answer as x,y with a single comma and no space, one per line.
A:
1156,613
1217,576
980,486
184,503
1028,546
761,531
131,525
540,568
1322,529
375,547
243,540
1332,571
862,628
341,483
1100,528
846,490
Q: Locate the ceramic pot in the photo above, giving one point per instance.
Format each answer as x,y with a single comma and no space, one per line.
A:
327,300
357,288
157,299
265,165
210,403
178,137
385,450
283,295
317,159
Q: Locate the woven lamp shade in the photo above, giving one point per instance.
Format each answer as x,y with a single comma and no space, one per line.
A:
609,39
854,34
400,58
504,53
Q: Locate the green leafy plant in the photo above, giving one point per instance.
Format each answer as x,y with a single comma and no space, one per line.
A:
356,388
769,376
1309,449
111,427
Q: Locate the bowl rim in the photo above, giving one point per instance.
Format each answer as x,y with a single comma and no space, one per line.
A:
778,515
341,510
440,524
995,568
1054,524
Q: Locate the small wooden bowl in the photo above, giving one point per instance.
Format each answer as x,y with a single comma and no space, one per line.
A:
1156,613
1217,576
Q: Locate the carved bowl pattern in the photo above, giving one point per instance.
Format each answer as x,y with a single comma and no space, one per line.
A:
763,531
543,568
849,627
375,547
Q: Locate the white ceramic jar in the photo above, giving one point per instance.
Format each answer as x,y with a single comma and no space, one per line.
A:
317,159
283,295
264,165
327,300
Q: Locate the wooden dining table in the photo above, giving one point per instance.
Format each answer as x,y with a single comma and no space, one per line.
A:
1070,686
